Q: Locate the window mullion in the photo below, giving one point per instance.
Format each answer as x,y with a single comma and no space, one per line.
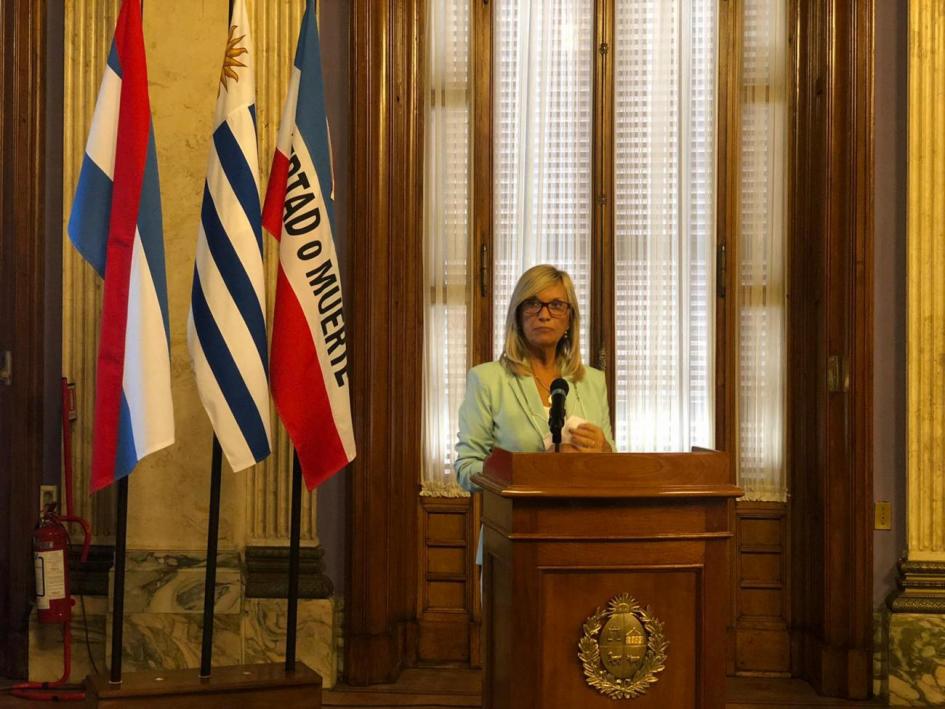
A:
601,348
481,254
728,173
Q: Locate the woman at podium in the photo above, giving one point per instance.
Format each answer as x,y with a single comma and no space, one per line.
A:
508,402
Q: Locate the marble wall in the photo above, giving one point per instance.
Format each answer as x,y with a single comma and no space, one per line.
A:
164,623
916,660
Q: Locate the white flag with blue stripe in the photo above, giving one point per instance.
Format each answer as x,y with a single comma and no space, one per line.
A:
226,327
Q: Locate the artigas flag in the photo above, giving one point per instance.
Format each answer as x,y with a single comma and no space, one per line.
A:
226,327
309,363
116,225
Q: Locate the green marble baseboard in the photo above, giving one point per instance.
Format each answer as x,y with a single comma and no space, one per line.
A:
915,660
163,622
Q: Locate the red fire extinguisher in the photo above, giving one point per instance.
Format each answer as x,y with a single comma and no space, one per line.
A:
50,558
50,549
53,602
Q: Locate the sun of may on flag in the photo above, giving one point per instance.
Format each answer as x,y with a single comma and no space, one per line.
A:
226,326
116,225
309,364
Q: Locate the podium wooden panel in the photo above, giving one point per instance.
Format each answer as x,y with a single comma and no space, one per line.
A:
566,533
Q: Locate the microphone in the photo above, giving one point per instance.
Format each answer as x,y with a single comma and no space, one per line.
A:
559,392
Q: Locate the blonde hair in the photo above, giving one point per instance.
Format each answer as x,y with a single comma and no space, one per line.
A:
515,353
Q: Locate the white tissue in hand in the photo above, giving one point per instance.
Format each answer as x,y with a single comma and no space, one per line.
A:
571,423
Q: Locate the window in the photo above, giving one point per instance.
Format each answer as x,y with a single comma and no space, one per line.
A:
761,267
664,222
542,134
603,124
446,241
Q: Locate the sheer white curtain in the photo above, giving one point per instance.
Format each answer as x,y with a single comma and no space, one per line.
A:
664,217
761,265
446,229
542,140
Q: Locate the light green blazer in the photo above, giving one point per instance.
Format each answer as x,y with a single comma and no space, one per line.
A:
504,410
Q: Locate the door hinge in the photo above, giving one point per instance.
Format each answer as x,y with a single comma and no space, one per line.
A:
721,270
602,359
483,271
6,367
838,374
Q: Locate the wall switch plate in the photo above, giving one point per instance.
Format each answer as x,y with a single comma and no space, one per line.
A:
47,494
883,515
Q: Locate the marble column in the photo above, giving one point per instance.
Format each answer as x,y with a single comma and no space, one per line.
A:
916,618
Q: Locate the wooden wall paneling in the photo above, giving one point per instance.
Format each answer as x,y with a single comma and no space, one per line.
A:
763,589
22,302
831,259
386,335
448,609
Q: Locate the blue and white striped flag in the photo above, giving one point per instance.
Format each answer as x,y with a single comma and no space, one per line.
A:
226,328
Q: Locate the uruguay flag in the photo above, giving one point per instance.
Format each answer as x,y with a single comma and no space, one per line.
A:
116,225
309,365
226,327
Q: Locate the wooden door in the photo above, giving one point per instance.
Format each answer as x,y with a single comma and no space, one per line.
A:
22,256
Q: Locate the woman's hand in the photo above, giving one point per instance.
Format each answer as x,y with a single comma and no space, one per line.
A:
588,438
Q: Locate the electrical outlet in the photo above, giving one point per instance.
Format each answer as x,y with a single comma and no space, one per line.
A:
883,515
47,494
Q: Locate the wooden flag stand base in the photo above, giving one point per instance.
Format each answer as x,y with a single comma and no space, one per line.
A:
244,686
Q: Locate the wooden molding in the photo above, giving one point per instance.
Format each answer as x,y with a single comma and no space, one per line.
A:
830,256
267,573
385,274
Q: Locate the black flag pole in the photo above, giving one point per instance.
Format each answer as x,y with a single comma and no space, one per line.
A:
295,530
213,532
118,588
210,582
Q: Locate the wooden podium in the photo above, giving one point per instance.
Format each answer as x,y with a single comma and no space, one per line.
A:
564,535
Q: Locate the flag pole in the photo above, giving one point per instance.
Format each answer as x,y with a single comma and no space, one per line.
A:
213,533
295,531
210,582
118,588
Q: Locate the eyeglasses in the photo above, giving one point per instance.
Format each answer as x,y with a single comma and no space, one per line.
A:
556,308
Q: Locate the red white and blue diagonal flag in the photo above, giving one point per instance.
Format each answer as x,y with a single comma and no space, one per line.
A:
116,225
309,363
226,327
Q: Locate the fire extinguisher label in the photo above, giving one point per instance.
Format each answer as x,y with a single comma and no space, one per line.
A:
50,577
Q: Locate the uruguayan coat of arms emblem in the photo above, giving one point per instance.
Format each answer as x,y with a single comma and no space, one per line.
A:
622,649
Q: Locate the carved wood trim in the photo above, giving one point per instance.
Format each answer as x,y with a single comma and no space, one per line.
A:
22,303
385,277
830,255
